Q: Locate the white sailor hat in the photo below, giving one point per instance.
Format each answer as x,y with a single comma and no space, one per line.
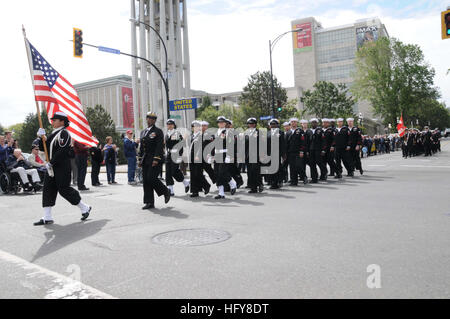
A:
274,121
221,119
170,121
196,123
205,123
326,120
340,119
303,121
251,120
294,119
286,124
314,120
350,119
332,120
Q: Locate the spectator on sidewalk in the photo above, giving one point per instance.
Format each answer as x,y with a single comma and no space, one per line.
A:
130,154
16,163
110,156
3,149
96,162
81,156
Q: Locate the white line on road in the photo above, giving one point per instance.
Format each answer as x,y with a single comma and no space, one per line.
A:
376,165
63,286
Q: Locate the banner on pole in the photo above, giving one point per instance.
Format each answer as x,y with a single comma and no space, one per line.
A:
183,104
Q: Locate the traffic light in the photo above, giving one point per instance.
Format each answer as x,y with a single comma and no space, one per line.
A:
445,24
279,107
77,43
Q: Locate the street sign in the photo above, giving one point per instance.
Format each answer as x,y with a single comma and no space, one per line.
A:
183,104
175,117
263,118
109,50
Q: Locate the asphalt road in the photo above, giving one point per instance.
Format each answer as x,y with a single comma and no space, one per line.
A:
391,225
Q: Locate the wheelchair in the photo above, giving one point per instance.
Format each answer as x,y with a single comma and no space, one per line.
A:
12,183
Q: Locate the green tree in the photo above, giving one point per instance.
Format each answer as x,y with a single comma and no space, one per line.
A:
102,125
235,114
26,132
328,100
2,130
434,114
394,78
257,95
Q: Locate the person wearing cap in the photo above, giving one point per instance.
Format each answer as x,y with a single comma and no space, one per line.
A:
285,173
296,148
150,157
252,158
130,146
342,149
222,158
355,145
426,138
37,160
174,151
207,139
330,142
233,166
276,137
57,179
198,180
317,152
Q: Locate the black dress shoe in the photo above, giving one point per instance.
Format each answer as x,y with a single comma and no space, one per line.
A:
274,187
219,197
84,216
260,188
239,184
167,197
186,189
293,184
305,181
361,171
83,188
233,191
42,222
314,181
253,191
193,195
323,178
172,194
148,206
206,190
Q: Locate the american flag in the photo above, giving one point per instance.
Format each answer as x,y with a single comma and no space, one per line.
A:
59,95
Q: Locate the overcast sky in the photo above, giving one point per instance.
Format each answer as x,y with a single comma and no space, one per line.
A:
228,40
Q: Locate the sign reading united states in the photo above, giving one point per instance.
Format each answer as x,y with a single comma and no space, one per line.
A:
183,104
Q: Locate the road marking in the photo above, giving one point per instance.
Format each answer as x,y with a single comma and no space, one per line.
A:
425,166
63,287
376,165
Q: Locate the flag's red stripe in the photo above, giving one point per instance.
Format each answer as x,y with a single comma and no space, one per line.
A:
70,105
74,97
41,88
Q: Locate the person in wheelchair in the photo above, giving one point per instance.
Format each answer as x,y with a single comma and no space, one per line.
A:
37,160
16,163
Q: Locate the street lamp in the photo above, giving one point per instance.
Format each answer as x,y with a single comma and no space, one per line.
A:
167,68
271,47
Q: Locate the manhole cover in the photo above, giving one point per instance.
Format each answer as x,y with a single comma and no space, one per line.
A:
191,237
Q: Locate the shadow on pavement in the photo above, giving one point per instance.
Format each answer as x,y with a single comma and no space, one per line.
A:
60,236
169,212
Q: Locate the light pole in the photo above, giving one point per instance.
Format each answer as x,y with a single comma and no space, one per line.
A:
271,47
166,79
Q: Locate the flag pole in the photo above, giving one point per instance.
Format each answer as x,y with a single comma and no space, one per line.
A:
27,48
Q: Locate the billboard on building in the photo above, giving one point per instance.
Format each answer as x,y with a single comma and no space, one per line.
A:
366,34
302,39
127,107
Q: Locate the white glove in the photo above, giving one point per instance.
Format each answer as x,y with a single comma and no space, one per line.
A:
210,160
40,132
227,160
179,159
48,166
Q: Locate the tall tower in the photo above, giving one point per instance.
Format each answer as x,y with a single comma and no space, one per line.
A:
169,19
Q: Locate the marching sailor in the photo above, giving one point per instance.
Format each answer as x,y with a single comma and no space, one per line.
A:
58,175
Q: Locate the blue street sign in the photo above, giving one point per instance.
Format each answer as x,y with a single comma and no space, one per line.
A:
183,104
109,50
263,118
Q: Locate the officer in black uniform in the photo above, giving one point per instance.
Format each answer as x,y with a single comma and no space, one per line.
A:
330,140
343,149
292,150
233,166
355,145
252,157
317,152
198,180
207,139
150,156
58,175
221,159
174,152
427,141
276,136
